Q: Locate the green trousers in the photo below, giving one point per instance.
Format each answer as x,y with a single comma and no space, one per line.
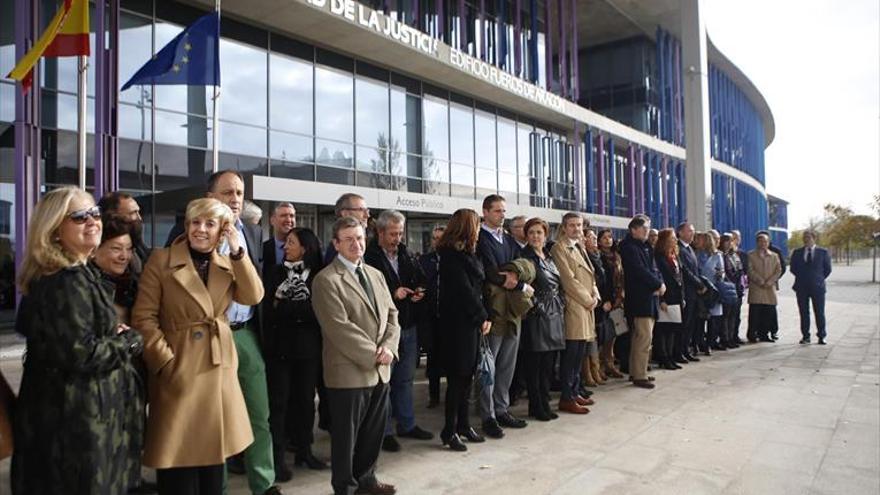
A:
258,458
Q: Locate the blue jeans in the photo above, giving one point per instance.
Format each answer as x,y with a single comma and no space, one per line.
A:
402,382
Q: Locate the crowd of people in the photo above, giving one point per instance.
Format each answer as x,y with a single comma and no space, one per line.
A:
207,355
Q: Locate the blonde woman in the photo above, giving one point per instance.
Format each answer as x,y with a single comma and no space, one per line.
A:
79,387
197,412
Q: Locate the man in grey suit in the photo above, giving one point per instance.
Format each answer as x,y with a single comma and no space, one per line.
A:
360,330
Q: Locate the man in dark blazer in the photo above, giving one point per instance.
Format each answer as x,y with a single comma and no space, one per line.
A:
360,333
495,248
810,266
283,220
406,283
693,285
643,285
227,186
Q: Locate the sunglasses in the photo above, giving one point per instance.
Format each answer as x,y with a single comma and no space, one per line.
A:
82,216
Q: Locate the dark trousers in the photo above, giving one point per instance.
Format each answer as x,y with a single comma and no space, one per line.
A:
537,369
434,372
684,340
202,480
700,342
664,341
716,331
762,321
458,389
570,371
818,299
358,418
292,384
622,345
730,336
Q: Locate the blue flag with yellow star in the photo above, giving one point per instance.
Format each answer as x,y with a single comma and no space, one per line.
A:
191,58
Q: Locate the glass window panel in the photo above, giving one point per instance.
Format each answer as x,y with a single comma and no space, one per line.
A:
177,167
371,97
290,147
189,99
291,94
334,153
242,139
244,164
487,179
406,120
507,146
334,175
183,130
436,112
413,166
7,102
462,175
507,182
60,155
59,111
461,126
135,48
135,158
434,169
7,27
372,159
243,98
134,122
334,104
484,137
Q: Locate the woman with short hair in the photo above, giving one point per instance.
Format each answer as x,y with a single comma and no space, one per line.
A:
79,386
764,271
197,415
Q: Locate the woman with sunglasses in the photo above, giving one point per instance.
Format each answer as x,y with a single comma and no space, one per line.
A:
79,384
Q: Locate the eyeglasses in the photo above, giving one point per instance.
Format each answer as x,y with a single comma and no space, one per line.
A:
362,210
82,216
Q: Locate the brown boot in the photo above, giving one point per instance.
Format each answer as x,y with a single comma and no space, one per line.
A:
586,373
597,370
593,365
609,369
571,406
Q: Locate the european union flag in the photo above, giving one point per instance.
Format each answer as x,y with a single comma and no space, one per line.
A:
191,58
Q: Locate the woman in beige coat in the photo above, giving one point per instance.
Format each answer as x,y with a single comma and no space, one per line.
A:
764,270
197,414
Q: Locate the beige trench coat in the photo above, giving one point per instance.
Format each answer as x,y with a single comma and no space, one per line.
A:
197,414
764,270
581,292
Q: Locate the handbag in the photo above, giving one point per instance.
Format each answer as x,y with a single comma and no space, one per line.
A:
619,320
728,293
486,367
671,315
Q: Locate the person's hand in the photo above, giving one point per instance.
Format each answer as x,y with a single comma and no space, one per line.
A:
529,290
383,355
402,293
487,325
662,290
231,235
701,290
510,280
606,307
418,294
663,306
122,327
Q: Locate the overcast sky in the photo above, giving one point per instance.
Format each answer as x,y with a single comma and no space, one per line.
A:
817,62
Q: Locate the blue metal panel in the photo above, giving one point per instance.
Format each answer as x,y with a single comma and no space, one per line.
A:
589,170
534,73
612,179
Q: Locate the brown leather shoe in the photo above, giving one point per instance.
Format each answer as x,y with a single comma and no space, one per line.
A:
573,407
581,401
378,489
643,383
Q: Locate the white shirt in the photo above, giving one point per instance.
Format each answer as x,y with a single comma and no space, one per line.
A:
237,313
352,267
498,233
808,252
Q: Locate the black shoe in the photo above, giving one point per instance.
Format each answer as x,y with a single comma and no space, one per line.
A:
693,359
669,365
822,341
310,461
417,434
471,435
273,490
508,420
235,464
283,473
805,341
681,360
390,444
553,415
144,487
766,339
774,337
492,429
453,442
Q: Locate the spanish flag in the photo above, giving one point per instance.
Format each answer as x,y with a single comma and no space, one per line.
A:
67,35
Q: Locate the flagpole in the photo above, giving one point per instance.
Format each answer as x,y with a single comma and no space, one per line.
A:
82,111
215,127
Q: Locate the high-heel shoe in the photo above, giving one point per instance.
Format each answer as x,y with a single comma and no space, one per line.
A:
454,442
471,435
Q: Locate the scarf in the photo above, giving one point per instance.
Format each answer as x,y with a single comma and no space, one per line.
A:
293,287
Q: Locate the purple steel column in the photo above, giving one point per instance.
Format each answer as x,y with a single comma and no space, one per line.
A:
575,73
548,47
664,186
563,47
517,40
576,166
600,181
631,164
100,97
113,98
640,180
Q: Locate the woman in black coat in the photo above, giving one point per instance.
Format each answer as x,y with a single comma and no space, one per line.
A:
667,333
462,319
543,332
292,346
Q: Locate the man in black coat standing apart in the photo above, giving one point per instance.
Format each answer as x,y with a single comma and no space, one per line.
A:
643,284
693,285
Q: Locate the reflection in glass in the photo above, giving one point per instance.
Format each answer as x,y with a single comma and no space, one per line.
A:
406,120
134,122
372,112
487,179
177,167
507,182
134,165
334,104
507,147
290,93
242,139
436,112
58,111
484,138
7,102
190,99
290,147
433,169
243,97
183,130
135,42
333,153
461,126
373,159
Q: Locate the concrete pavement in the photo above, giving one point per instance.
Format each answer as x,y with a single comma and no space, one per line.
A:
763,419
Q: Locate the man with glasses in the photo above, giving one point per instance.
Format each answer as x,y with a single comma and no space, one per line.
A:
349,205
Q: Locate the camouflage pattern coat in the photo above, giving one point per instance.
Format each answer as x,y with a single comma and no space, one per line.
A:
80,404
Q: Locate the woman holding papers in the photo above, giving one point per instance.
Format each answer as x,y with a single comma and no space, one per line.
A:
668,326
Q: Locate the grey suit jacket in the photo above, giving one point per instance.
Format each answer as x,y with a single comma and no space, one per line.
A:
352,330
